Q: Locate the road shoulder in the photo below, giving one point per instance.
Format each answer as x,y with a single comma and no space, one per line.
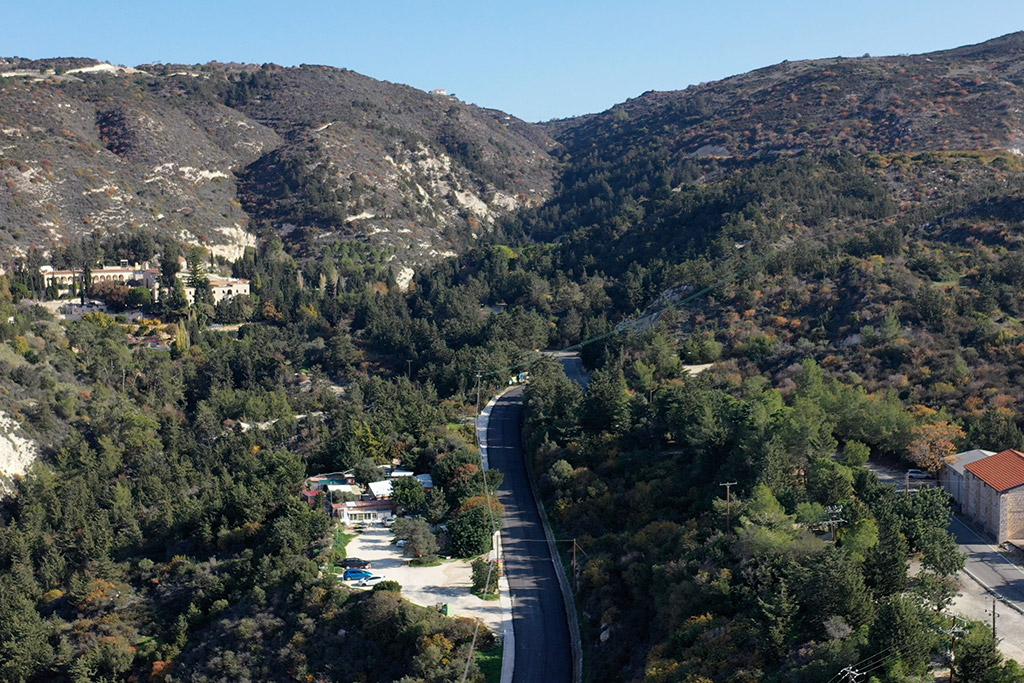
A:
508,636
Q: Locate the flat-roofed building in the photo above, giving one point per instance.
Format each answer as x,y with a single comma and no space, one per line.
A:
221,288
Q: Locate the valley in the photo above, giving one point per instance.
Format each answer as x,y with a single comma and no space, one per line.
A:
778,285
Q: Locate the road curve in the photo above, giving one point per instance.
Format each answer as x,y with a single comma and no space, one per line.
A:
542,644
572,365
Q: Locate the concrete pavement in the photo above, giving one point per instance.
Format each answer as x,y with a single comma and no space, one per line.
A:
449,582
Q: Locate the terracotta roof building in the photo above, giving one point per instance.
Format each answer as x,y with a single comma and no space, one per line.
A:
993,494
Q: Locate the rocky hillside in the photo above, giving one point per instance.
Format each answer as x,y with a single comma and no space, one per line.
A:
213,153
929,127
865,212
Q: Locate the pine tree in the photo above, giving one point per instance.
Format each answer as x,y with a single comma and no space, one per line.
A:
886,566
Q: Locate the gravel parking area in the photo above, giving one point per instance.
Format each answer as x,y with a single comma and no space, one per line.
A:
448,583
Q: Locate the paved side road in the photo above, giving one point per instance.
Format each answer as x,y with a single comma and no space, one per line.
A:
542,644
572,365
974,602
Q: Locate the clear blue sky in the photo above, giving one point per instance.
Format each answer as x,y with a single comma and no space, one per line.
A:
536,59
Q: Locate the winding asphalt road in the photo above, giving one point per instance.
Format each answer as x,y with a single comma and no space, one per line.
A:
542,645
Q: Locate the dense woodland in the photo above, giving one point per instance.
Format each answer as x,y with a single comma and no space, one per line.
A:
856,300
156,542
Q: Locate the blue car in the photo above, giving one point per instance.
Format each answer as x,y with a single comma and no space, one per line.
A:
356,574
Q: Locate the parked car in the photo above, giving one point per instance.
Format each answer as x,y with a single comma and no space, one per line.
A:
919,474
356,574
355,563
370,581
401,543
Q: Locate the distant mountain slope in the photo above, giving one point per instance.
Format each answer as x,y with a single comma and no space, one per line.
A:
208,153
965,99
628,169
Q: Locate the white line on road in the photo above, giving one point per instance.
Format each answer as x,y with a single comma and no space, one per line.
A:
988,545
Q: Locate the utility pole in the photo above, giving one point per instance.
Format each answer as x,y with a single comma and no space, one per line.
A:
953,633
575,571
850,674
906,486
728,503
834,521
478,375
994,615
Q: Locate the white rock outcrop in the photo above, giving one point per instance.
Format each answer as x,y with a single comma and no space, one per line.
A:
16,453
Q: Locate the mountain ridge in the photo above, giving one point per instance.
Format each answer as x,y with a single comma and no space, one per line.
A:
218,153
86,146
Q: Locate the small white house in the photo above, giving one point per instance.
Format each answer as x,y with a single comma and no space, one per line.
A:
363,511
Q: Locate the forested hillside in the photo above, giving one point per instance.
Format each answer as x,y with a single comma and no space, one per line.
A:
157,540
892,264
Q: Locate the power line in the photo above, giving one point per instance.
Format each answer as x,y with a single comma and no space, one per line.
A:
896,655
953,632
872,662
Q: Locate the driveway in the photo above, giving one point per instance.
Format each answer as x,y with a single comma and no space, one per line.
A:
448,583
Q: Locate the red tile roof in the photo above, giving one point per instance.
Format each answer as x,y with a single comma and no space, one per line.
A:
1002,471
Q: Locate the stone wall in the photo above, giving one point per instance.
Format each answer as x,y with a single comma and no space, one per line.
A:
1011,515
981,504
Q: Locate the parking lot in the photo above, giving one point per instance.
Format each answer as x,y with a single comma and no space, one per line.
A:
898,477
448,583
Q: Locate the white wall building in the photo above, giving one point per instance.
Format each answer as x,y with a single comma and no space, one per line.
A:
68,281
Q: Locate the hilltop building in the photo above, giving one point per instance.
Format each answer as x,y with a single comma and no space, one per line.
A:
70,281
